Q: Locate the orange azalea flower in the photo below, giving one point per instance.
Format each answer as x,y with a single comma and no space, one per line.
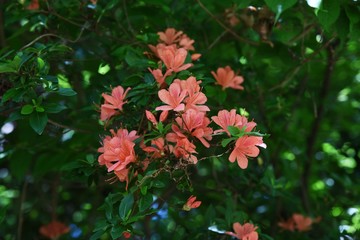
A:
170,36
54,229
173,98
195,56
196,124
113,102
123,176
246,146
118,150
226,78
195,97
244,232
191,203
159,77
298,222
186,42
152,118
157,148
174,59
184,148
302,223
287,225
225,119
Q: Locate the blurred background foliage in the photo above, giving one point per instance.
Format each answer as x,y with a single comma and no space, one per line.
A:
301,64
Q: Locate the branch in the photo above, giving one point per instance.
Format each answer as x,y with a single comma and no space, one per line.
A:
57,36
241,39
311,140
66,127
22,200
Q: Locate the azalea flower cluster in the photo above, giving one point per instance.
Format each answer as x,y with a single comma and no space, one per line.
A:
298,222
179,124
172,51
189,124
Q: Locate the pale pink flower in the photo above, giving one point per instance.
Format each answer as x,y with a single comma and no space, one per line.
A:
174,59
225,119
173,98
246,146
113,102
170,36
244,232
226,78
191,203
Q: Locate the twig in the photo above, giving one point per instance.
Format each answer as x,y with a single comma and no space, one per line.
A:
311,140
21,217
54,35
293,72
241,39
61,17
127,18
307,29
217,39
66,127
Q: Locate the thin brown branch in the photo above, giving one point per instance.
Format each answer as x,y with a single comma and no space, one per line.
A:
301,35
127,18
311,140
66,127
241,39
290,76
54,35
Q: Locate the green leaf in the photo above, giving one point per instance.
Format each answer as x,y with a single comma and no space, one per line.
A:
103,69
27,109
97,235
126,206
279,6
117,231
328,13
15,94
234,131
53,107
38,121
225,142
66,92
7,68
39,109
145,202
143,190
